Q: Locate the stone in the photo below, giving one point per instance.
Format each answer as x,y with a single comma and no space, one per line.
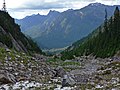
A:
8,50
6,77
68,81
60,72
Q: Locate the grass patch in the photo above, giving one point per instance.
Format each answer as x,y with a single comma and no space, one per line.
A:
70,63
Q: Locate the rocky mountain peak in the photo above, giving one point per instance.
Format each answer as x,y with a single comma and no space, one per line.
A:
53,12
96,4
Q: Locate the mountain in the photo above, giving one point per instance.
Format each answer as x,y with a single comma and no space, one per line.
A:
12,37
103,42
58,30
20,71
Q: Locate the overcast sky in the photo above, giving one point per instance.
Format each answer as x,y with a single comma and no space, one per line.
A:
22,8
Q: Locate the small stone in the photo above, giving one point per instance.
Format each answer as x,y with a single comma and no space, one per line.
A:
8,50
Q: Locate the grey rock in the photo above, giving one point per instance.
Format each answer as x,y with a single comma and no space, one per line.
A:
60,72
68,81
6,77
8,50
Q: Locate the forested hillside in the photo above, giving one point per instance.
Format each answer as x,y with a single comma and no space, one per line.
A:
104,42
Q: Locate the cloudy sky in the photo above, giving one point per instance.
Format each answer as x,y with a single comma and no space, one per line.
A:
22,8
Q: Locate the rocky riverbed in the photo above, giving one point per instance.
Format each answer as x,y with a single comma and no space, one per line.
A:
89,73
19,71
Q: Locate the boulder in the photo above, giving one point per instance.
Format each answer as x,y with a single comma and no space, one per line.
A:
6,77
7,50
68,81
60,72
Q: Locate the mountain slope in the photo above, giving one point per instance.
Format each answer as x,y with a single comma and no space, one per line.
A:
57,30
12,37
104,42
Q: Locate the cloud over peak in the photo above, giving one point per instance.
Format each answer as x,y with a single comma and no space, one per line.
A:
43,6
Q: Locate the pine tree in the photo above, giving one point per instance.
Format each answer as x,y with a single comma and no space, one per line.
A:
117,19
105,42
106,21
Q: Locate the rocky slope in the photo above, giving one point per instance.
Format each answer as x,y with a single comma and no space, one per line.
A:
22,72
58,30
88,72
98,74
18,67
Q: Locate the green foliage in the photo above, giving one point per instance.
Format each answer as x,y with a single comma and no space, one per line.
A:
105,42
71,63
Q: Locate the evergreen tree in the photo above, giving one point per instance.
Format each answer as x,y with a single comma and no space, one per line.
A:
104,42
117,19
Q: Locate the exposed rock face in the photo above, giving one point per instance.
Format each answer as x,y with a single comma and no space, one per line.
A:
17,45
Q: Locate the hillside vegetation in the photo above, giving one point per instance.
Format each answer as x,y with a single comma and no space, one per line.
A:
104,42
12,37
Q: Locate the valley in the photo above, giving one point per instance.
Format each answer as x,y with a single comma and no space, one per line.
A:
58,30
92,62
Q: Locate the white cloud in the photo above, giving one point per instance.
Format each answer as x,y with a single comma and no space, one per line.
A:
21,8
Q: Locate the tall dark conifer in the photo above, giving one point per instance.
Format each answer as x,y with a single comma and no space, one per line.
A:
116,25
106,21
106,43
117,19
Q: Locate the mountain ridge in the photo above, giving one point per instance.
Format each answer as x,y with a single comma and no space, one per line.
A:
62,29
103,42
